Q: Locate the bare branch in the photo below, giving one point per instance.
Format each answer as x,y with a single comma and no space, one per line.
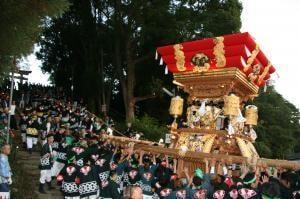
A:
143,58
138,99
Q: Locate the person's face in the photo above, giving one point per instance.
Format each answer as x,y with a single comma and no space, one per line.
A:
6,149
50,140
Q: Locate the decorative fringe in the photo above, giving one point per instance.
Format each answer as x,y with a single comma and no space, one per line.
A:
166,70
161,61
156,55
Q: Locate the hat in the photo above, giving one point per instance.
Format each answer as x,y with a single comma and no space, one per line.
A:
199,173
249,179
271,190
69,139
50,135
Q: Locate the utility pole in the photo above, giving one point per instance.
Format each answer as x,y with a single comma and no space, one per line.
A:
103,106
10,99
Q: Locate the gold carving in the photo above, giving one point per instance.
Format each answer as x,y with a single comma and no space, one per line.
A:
264,73
243,147
219,52
208,144
255,72
200,62
179,56
250,60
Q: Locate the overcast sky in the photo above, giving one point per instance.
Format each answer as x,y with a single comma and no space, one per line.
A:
275,24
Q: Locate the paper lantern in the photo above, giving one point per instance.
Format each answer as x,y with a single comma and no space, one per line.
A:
251,115
176,106
231,105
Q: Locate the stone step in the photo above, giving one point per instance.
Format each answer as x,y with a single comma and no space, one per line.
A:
50,195
30,163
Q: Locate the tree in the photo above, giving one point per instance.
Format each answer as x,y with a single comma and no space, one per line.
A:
278,129
144,26
72,50
20,26
128,32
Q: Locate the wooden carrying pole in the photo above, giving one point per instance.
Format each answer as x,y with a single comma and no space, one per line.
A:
198,157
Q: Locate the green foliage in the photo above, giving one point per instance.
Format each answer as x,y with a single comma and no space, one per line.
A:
20,23
278,129
150,127
128,32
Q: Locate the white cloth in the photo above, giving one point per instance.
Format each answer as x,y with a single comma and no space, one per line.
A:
230,129
253,134
48,126
45,176
4,195
202,110
240,117
147,196
12,109
56,168
76,197
31,141
93,196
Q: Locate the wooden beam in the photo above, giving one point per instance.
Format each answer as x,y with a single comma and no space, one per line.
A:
198,157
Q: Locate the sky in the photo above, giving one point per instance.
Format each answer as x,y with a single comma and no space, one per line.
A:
275,25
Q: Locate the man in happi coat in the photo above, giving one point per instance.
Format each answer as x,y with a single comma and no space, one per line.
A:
46,164
70,181
61,156
88,187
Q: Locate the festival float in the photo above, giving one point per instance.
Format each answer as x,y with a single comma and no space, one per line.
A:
220,75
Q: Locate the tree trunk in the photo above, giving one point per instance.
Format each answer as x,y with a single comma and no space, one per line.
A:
130,111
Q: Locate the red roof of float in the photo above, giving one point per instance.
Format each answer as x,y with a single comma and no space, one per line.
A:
236,50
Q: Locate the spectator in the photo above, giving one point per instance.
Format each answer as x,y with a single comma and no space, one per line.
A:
5,172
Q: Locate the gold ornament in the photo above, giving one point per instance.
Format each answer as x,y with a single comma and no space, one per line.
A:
255,72
200,62
264,73
219,52
252,57
208,144
179,56
243,147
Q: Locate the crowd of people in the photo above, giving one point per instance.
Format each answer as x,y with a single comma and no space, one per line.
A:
76,154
